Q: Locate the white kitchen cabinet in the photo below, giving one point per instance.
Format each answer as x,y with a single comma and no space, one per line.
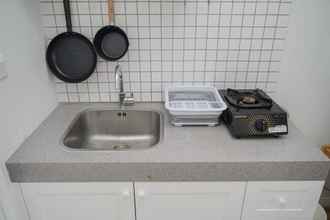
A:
79,201
189,200
281,200
172,200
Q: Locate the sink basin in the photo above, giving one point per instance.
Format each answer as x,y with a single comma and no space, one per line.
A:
114,130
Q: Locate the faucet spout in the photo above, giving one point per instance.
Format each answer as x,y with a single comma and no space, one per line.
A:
119,78
124,99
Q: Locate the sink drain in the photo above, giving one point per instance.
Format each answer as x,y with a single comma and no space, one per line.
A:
121,147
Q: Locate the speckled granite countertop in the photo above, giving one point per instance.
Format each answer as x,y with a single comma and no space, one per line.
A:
184,154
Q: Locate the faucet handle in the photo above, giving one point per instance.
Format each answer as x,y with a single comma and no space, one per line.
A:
129,99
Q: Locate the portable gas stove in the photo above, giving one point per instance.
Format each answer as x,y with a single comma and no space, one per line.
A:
252,113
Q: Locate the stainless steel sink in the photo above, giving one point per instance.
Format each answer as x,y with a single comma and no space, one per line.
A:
114,130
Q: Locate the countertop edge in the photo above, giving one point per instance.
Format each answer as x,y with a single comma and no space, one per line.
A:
113,172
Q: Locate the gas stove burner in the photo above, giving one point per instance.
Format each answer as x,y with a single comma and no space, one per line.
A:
248,99
252,113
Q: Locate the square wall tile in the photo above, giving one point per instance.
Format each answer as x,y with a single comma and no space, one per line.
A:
223,43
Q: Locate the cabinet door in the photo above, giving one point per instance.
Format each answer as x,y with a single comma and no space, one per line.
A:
282,200
79,201
189,200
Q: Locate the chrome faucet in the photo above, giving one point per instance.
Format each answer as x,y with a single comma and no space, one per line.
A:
124,98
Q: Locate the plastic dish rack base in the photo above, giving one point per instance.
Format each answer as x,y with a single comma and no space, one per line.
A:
180,122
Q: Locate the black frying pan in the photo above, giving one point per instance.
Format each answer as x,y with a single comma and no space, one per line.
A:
111,42
71,56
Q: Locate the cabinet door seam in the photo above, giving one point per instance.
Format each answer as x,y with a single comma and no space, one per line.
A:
134,202
244,199
24,201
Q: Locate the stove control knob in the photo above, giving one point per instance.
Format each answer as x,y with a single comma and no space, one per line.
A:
260,125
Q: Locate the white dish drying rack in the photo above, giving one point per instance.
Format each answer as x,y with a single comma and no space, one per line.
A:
194,105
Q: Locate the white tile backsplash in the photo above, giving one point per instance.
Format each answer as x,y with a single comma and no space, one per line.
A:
223,43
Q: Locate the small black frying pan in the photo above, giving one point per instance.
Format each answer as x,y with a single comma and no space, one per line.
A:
71,56
111,42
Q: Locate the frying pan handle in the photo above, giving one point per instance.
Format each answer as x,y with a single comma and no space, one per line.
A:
110,10
67,12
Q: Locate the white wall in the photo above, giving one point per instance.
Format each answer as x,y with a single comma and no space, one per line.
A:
304,85
27,95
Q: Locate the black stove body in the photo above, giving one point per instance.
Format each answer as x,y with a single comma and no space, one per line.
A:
252,113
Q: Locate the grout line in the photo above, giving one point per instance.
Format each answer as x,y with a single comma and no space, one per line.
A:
225,14
157,1
161,51
56,28
96,70
149,22
80,29
218,44
229,44
184,42
168,26
128,55
206,41
273,45
261,46
139,56
195,40
227,57
172,42
239,45
250,47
